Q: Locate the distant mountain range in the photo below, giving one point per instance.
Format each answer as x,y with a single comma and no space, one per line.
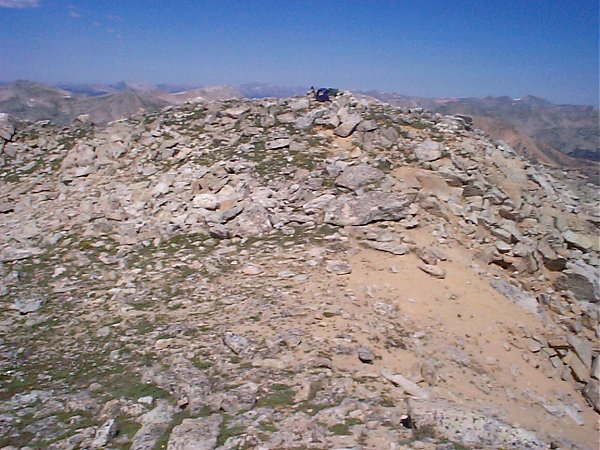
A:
559,135
31,101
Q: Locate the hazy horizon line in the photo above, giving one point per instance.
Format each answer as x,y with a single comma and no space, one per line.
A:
290,87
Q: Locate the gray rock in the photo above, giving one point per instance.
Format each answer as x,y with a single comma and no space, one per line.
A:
345,129
237,111
595,372
429,372
104,434
253,221
389,247
365,355
196,434
582,280
552,260
206,201
579,240
339,267
354,177
578,368
7,130
277,143
503,247
428,257
304,122
241,397
533,345
428,151
348,123
10,254
309,388
470,428
302,103
26,305
367,125
591,393
239,345
409,387
369,207
318,204
6,207
582,349
434,271
154,424
520,297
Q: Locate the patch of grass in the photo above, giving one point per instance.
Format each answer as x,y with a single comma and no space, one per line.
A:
311,408
459,446
227,432
201,364
281,395
204,411
16,384
124,386
144,326
127,427
343,429
256,317
269,427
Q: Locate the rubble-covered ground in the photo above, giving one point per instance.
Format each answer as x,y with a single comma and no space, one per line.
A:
284,274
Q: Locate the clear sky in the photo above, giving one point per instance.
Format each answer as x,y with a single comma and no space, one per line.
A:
441,48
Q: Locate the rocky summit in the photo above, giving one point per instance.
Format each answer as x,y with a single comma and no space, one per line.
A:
287,274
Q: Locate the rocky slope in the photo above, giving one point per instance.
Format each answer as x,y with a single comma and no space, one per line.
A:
280,274
559,135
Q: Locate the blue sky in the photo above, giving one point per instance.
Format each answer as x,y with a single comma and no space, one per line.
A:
450,48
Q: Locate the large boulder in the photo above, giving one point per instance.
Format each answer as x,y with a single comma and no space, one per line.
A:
522,298
591,392
196,434
253,221
348,123
459,424
581,241
582,280
370,207
428,151
354,177
7,130
154,424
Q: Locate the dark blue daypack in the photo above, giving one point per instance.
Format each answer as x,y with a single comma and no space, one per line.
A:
322,95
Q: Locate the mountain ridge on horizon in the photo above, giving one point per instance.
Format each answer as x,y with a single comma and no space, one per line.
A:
261,90
555,134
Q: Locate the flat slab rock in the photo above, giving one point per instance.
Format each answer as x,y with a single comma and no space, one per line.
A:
339,267
389,247
26,305
354,177
407,386
470,428
240,345
196,434
520,297
434,271
370,207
